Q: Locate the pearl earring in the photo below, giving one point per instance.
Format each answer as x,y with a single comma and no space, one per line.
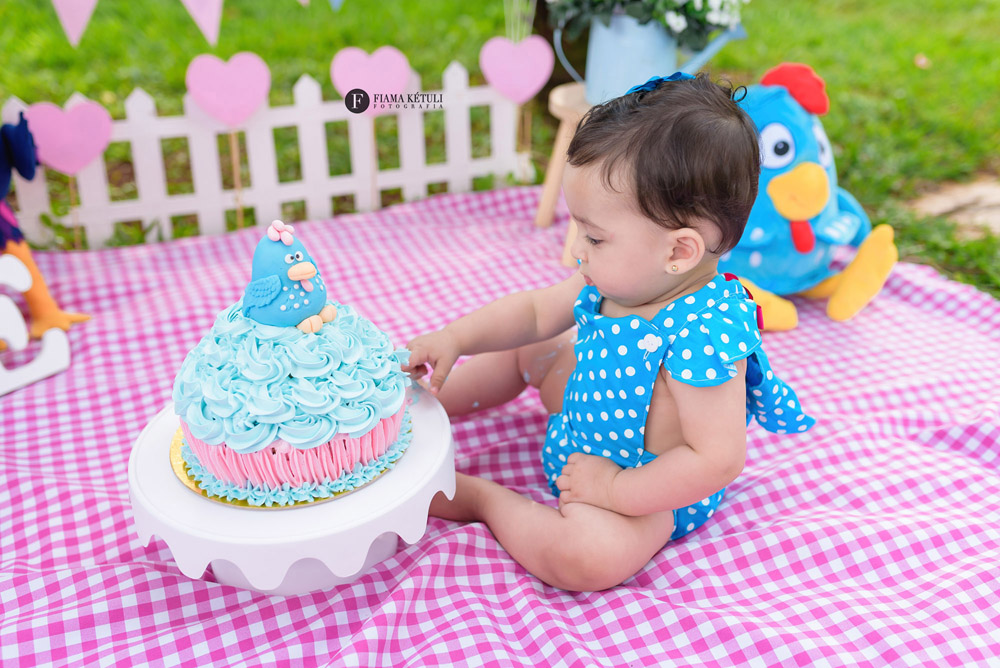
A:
673,268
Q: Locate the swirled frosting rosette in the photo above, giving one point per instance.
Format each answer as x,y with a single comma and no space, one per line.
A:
249,385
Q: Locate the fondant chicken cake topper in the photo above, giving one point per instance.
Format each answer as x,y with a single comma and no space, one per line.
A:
801,215
285,288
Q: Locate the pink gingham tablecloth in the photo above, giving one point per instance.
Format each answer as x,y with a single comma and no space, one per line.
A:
874,539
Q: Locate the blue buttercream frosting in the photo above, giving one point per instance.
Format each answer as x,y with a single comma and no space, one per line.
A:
263,495
247,384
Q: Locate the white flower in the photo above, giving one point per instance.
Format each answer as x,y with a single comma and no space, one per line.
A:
722,17
650,343
676,22
697,4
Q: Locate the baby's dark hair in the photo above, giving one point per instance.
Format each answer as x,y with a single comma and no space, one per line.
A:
685,148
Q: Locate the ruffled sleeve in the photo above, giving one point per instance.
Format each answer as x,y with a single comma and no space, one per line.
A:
704,347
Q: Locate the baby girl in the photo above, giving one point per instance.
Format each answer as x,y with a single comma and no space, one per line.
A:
648,359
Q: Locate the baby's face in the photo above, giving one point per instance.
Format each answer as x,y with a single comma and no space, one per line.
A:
623,253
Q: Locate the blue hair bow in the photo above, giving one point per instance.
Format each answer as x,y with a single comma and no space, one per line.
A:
655,81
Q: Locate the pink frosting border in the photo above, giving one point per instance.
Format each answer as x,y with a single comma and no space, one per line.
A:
280,462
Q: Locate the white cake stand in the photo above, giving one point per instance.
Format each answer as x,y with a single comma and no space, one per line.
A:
294,550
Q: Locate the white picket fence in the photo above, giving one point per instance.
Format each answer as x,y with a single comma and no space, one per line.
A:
309,113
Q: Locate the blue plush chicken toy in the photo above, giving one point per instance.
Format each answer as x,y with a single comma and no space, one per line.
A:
286,289
801,215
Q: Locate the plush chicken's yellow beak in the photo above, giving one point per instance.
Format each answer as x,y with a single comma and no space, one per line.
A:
801,193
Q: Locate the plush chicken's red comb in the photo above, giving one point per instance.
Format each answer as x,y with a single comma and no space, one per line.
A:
807,87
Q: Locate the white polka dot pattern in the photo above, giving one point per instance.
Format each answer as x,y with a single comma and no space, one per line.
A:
700,350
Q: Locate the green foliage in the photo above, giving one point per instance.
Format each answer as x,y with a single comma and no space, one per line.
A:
698,22
132,234
67,237
64,237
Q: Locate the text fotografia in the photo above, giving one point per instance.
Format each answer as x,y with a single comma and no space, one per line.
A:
358,101
408,100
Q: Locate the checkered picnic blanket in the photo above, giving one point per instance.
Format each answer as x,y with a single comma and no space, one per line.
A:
873,539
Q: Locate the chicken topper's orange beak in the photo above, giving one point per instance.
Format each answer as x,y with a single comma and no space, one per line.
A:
301,270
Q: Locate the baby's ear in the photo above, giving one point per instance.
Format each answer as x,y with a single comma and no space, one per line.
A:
687,250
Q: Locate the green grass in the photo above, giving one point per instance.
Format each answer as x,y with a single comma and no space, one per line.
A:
897,129
149,44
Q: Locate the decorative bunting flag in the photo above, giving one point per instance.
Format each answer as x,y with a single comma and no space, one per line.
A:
207,14
74,15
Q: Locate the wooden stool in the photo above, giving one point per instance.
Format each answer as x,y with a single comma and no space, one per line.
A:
568,104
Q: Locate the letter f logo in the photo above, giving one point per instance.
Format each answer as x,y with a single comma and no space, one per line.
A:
357,101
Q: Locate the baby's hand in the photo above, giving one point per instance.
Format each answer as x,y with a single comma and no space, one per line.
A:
440,350
587,479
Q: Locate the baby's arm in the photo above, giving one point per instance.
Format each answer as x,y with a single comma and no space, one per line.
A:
509,322
713,425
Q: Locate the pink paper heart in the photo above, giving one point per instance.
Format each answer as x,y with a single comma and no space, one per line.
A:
519,70
229,92
69,140
385,71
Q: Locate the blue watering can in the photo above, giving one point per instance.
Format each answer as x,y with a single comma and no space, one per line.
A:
625,53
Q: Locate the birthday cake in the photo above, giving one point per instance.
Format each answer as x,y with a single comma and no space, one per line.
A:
291,397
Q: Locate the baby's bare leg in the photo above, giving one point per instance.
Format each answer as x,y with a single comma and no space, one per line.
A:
491,379
577,547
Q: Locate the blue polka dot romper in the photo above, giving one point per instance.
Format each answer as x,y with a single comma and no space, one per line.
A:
698,339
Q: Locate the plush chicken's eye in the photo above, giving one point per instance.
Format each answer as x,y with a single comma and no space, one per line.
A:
777,148
289,258
299,256
825,150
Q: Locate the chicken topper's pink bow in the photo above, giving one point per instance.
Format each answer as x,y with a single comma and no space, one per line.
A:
279,230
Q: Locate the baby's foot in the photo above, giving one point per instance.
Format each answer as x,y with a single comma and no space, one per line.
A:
464,507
